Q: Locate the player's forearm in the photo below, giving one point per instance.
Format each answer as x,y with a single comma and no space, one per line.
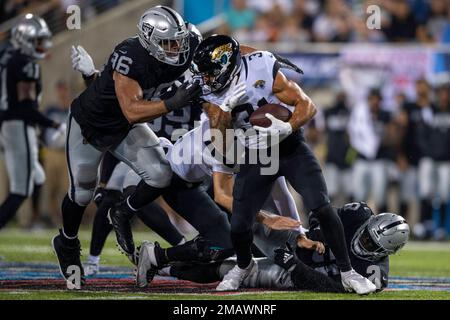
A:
139,111
304,111
225,201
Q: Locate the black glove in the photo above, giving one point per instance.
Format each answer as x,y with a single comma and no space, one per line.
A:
286,63
285,258
184,94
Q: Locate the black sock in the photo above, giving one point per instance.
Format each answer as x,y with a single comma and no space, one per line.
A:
242,243
36,196
72,214
143,195
9,208
333,232
102,227
154,217
306,278
199,273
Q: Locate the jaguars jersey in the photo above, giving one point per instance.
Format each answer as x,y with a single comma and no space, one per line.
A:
15,67
192,157
352,215
97,108
258,72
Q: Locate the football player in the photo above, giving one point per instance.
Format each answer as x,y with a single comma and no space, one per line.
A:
109,115
20,89
219,63
370,240
166,126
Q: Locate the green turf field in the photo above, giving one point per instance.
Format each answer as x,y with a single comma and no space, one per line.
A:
415,260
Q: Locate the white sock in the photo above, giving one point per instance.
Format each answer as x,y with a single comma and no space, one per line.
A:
94,259
347,273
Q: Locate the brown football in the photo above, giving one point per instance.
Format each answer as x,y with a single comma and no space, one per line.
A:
258,117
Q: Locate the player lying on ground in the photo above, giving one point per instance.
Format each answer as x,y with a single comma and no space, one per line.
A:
218,62
20,88
370,238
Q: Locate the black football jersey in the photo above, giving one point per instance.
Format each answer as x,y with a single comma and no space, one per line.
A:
167,125
352,215
15,67
97,108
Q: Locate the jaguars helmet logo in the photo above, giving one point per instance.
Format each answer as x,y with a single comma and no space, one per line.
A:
222,54
259,84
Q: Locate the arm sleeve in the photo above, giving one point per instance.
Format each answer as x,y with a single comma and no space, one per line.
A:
283,199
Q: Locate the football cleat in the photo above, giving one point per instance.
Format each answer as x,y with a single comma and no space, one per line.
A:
148,263
354,282
120,219
234,278
68,256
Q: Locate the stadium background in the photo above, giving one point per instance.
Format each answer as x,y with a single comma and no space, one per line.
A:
328,39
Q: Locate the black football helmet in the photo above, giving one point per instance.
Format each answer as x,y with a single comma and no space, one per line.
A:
216,61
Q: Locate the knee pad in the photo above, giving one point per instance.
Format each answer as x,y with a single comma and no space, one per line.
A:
82,197
158,178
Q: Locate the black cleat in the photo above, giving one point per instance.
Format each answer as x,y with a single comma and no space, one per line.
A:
68,255
120,219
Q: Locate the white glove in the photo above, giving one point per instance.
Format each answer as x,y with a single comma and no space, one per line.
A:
278,127
82,61
57,138
232,100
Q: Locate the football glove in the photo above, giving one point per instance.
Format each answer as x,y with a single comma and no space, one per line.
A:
285,258
187,92
58,137
278,127
232,100
82,61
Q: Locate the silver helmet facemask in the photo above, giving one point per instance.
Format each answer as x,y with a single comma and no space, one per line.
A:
32,36
380,236
163,33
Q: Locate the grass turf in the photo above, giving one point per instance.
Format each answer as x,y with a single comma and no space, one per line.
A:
416,259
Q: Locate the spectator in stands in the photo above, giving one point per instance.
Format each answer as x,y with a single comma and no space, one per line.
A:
337,169
372,135
431,30
240,16
434,167
402,25
326,25
55,159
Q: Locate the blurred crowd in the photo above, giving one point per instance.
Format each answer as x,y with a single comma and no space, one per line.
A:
372,153
54,11
338,21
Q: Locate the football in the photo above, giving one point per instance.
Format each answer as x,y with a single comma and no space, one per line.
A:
258,117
